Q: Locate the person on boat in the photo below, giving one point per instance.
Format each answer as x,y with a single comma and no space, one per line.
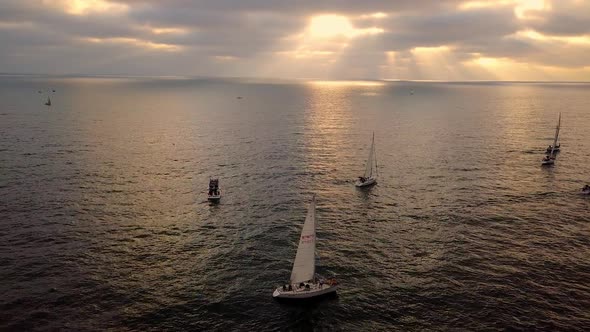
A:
290,288
362,179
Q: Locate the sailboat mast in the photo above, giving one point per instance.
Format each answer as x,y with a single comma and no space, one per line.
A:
558,128
556,133
372,153
314,234
375,155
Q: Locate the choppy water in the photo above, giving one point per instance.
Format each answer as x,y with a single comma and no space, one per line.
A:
104,222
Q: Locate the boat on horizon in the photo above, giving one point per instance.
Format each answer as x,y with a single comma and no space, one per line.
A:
304,282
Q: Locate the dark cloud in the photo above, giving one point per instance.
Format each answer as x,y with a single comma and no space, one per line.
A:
567,17
449,28
294,7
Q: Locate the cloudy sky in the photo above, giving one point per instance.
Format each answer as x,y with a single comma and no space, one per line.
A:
325,39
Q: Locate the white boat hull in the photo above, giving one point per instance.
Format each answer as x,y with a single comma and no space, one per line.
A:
368,182
214,198
585,192
304,293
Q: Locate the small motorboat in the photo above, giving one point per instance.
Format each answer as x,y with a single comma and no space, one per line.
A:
214,194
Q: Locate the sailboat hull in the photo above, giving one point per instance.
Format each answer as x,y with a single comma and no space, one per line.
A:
214,198
303,293
368,182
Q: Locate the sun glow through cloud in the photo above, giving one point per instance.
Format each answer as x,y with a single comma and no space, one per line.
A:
166,31
327,26
331,26
134,42
84,7
533,35
520,6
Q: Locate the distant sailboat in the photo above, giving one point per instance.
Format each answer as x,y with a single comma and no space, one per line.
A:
369,178
304,283
548,160
552,150
48,102
555,146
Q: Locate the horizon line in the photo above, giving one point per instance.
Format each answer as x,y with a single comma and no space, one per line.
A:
7,74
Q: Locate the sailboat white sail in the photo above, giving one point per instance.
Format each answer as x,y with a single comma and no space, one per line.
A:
369,178
304,283
557,129
551,150
304,265
555,147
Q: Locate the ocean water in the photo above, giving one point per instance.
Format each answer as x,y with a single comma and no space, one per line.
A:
104,223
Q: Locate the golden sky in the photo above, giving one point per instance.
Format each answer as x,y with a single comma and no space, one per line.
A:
331,39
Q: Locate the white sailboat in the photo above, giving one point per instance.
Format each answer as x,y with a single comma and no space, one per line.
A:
555,146
551,155
304,282
369,178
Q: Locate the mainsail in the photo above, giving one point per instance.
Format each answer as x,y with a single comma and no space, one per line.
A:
556,134
304,265
557,130
369,168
